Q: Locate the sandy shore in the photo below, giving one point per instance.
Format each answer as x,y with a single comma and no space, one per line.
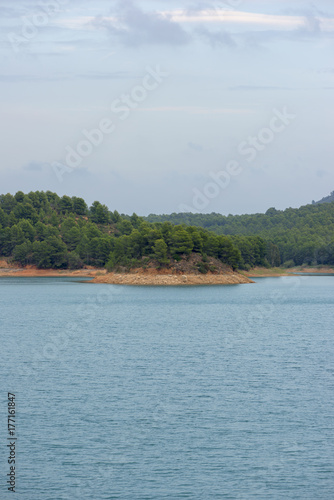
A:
163,279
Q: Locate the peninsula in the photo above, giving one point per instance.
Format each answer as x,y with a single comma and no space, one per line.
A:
42,234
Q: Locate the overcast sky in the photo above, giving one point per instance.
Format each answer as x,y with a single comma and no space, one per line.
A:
164,106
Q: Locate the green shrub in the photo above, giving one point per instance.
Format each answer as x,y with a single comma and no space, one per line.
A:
289,263
203,268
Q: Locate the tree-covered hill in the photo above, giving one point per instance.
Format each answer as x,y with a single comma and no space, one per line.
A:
326,199
49,231
302,236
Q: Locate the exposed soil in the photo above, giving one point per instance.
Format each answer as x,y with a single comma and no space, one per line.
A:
142,277
183,272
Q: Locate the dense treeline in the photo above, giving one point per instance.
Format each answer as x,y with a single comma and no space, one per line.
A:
49,231
292,237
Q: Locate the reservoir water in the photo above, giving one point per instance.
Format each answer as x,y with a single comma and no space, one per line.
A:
140,393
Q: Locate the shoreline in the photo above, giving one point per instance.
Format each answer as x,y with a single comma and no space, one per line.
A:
148,277
276,272
154,277
31,272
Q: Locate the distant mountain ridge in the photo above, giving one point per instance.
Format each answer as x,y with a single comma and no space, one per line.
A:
326,199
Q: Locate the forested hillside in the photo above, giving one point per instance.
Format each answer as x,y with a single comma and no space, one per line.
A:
302,236
43,229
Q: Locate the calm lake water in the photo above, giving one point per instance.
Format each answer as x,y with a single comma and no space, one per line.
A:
220,392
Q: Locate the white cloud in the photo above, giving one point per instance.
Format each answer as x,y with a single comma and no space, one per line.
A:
218,16
234,17
198,110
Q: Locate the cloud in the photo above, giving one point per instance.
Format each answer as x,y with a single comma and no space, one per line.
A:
312,24
255,19
19,78
195,147
234,17
258,87
127,17
256,39
198,110
325,70
12,78
114,75
134,27
7,12
35,166
322,173
216,37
